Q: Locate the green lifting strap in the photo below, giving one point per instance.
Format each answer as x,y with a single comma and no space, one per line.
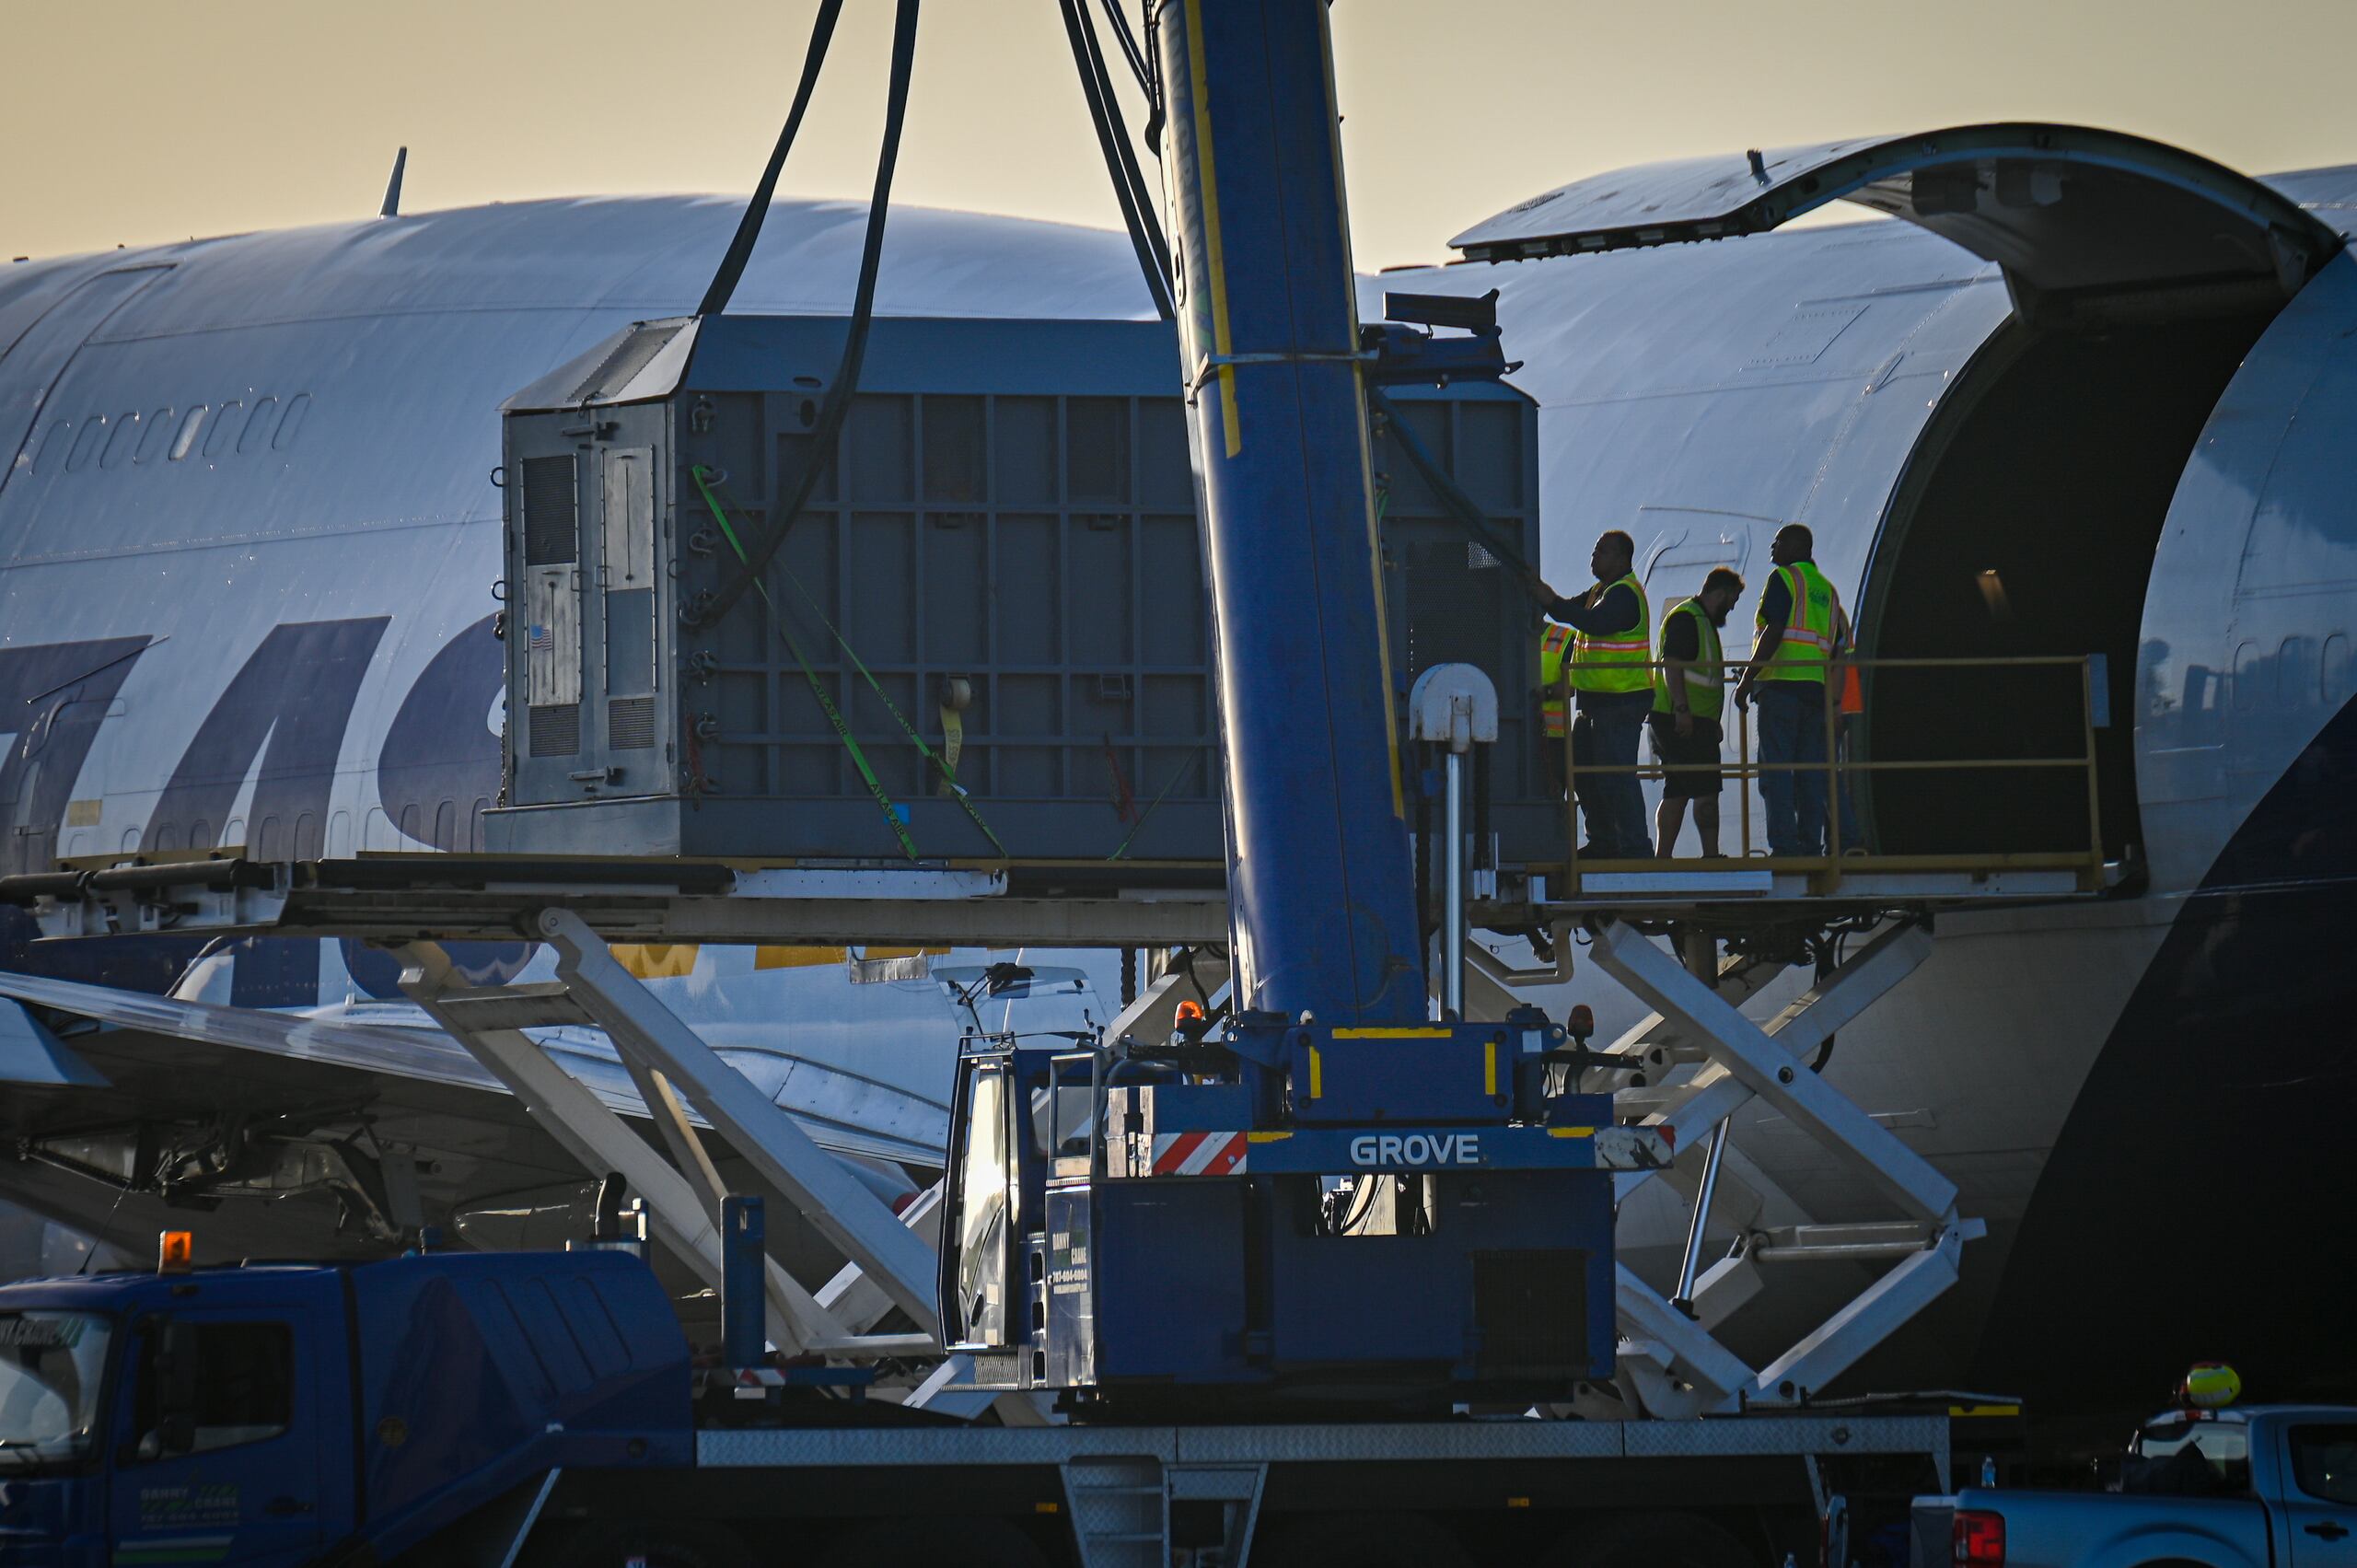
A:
957,790
826,704
1135,827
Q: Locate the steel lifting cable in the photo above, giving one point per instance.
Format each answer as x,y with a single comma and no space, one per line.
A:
1141,195
709,608
1128,42
1121,162
702,477
748,228
1127,175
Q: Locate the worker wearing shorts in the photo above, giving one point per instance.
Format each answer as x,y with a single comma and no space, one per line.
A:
1689,698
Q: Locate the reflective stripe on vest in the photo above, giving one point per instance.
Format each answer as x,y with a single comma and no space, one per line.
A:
1616,661
1551,643
1704,696
1808,629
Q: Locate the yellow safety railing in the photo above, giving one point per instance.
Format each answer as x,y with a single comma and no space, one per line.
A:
1744,769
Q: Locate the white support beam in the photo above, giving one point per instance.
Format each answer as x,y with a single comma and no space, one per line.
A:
1746,1198
1714,1373
946,1392
1739,980
599,1140
857,1300
1774,1073
1557,972
1154,1014
1894,953
838,1205
1726,1286
1837,1343
1712,1095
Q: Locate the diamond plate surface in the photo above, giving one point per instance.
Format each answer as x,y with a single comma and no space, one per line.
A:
1332,1443
1789,1434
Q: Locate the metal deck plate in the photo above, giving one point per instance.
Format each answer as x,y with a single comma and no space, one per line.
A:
1069,904
1760,1435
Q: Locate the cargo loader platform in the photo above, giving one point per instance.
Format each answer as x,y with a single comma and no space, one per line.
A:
394,897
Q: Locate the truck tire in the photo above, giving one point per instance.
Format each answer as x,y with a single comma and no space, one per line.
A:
1648,1540
936,1543
612,1543
1364,1540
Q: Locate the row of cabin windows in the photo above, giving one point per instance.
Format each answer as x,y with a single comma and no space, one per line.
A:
454,825
172,435
2302,675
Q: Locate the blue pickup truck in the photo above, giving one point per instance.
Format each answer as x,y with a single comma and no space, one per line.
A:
2261,1486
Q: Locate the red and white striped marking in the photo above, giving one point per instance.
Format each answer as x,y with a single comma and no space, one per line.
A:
1198,1153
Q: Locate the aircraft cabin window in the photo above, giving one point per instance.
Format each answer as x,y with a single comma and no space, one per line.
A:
86,444
224,428
2339,675
2292,666
125,440
159,431
189,427
261,426
2247,677
296,407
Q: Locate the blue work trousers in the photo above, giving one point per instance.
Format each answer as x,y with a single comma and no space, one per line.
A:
1792,729
1614,803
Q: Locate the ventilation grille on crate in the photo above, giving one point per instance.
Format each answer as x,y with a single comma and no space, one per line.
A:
629,724
556,730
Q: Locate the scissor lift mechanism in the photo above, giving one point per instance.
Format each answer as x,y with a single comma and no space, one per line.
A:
1703,1060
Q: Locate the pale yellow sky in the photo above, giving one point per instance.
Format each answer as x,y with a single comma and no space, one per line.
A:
141,121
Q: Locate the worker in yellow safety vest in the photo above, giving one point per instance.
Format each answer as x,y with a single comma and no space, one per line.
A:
1606,635
1798,638
1688,695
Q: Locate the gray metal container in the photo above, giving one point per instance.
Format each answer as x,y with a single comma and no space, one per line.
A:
1006,541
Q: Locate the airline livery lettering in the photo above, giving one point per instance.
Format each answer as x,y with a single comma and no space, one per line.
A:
289,704
281,719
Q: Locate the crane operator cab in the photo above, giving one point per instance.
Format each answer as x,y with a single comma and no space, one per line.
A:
1411,1216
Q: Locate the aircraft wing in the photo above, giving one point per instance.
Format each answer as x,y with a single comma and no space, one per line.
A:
839,1110
408,1054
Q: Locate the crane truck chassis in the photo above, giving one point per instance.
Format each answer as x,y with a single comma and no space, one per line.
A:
545,1409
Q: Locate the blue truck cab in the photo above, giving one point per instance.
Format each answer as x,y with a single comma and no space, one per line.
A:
282,1414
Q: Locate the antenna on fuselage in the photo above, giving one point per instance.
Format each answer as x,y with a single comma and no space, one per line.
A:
392,206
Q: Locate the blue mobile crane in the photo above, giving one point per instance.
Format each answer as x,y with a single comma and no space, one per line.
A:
1200,1224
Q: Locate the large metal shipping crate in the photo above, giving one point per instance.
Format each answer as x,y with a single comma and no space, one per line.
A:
1002,559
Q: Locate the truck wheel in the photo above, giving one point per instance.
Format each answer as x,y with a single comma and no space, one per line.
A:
1365,1540
1648,1540
624,1543
936,1543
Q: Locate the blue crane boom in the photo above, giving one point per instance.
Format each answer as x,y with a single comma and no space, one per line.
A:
1323,908
1332,1190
